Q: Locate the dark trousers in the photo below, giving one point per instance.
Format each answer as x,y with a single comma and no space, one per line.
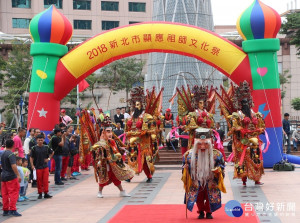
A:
58,165
287,139
203,201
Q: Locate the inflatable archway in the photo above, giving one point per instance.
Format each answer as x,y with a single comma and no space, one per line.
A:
55,72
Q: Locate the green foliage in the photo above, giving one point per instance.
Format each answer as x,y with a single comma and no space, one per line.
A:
9,118
2,67
122,74
284,79
292,29
16,77
296,104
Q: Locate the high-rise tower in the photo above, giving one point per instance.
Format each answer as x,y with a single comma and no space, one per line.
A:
172,70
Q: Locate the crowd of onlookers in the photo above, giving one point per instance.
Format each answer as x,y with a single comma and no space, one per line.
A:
30,160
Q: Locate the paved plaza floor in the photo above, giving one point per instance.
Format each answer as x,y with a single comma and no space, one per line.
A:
278,200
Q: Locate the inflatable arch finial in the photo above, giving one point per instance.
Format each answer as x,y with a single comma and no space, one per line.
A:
258,21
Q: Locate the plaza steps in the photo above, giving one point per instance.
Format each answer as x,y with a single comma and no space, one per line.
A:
170,157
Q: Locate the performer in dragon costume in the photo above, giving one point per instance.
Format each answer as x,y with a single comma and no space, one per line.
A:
109,166
143,130
245,126
203,173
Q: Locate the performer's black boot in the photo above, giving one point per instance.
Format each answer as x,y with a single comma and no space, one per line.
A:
149,180
209,216
201,215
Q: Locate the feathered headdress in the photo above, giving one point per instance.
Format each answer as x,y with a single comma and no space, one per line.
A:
137,94
242,93
199,93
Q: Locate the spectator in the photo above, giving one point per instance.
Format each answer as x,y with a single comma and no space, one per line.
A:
18,142
10,185
296,138
126,114
74,148
75,167
220,131
119,118
33,143
168,121
171,141
183,140
26,172
20,169
65,118
27,140
66,153
118,131
61,126
40,155
56,143
49,136
287,132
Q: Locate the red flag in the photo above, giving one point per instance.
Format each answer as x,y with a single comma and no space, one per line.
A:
83,85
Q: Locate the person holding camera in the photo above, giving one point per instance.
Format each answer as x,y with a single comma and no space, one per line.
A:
56,143
74,149
66,150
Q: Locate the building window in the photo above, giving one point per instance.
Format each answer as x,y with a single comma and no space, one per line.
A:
56,3
21,4
82,24
20,23
81,5
107,25
133,22
109,6
137,7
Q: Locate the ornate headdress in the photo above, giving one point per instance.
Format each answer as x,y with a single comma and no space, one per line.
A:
137,94
199,93
203,133
242,93
106,123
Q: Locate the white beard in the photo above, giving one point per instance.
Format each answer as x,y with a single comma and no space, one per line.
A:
202,165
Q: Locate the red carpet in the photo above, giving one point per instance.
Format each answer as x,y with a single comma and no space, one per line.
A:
175,213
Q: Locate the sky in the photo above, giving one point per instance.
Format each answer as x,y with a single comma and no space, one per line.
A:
226,12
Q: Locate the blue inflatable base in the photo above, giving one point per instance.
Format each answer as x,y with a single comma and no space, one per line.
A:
292,158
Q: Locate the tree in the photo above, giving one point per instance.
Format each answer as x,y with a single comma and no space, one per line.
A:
296,104
284,79
16,78
292,29
122,75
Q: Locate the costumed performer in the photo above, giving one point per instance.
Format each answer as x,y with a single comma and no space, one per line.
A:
109,165
203,174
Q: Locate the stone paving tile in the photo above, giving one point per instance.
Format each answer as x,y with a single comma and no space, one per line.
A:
79,203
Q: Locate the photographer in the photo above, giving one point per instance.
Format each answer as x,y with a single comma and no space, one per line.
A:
74,149
56,143
66,150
